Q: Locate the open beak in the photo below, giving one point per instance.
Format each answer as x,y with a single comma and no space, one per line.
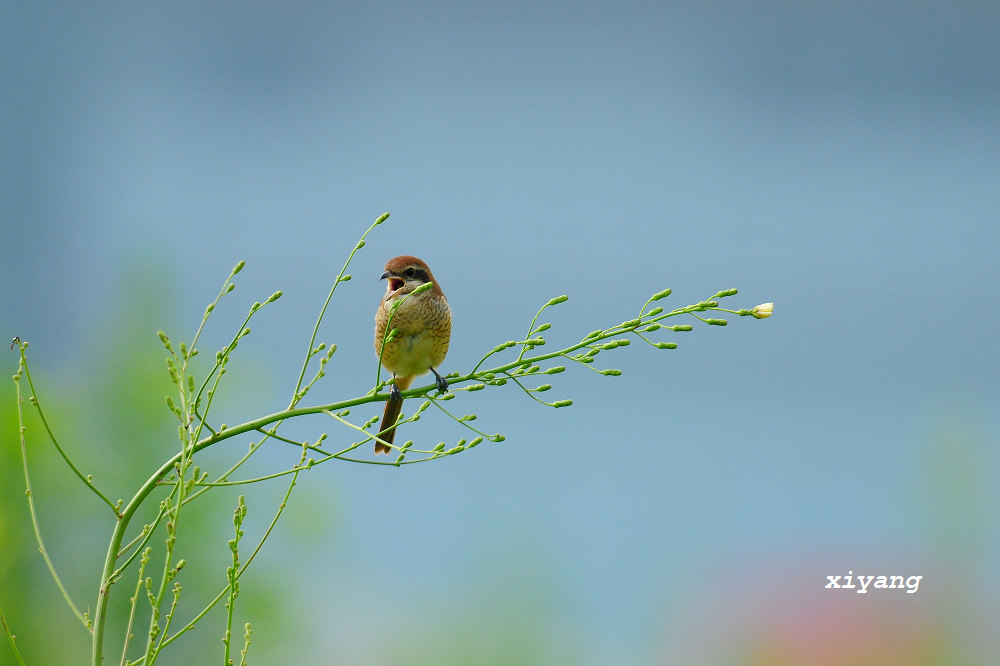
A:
395,283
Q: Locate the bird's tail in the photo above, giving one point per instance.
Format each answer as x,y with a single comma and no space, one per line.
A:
387,429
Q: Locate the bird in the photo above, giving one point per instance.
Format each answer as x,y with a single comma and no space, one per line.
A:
423,331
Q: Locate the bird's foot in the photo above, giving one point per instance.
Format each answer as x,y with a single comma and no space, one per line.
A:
442,383
394,393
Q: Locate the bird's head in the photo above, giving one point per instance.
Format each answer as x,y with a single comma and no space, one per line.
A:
405,274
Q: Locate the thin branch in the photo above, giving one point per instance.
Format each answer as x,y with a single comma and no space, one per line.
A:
10,639
87,480
31,499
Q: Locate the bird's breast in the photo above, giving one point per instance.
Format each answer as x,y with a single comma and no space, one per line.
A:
423,333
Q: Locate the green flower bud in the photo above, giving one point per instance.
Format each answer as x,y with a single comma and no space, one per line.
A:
558,299
660,294
666,345
562,403
611,372
475,387
543,388
716,322
382,218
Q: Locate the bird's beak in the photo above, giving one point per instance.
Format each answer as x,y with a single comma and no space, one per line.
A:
395,282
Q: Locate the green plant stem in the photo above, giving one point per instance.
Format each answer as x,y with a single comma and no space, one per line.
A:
170,619
152,646
135,603
38,406
234,585
260,544
142,538
100,616
10,638
322,313
31,500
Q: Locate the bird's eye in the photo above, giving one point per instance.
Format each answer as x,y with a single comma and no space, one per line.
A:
410,272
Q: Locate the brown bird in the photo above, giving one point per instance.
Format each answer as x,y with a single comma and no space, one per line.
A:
421,342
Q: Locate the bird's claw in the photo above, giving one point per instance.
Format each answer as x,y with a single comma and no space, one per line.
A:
442,383
394,393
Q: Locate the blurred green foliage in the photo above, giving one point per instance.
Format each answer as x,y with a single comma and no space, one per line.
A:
111,419
109,415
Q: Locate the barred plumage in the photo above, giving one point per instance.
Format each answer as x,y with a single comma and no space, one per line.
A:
423,323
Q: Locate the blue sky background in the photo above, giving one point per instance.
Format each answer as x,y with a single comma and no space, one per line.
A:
841,160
